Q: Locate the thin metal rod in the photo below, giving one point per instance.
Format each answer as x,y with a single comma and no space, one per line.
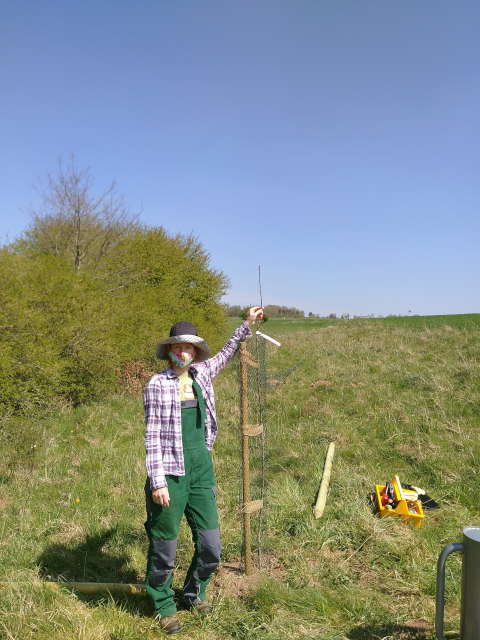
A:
259,320
260,286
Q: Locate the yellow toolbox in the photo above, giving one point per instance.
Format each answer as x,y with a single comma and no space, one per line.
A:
407,510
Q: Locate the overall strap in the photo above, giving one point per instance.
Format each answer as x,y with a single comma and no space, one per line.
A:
201,400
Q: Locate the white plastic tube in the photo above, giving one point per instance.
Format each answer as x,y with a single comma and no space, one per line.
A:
259,333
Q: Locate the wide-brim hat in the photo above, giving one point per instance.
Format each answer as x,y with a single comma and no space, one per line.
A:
184,332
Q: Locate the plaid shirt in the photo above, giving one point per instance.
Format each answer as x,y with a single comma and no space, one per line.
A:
163,417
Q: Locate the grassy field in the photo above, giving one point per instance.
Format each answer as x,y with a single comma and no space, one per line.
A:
404,399
281,326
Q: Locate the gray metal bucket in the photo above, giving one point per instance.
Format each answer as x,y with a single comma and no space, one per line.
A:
470,609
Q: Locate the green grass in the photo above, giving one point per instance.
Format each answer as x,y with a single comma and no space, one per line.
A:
460,321
281,326
404,400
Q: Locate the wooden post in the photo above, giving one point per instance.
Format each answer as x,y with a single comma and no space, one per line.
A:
245,459
322,494
94,587
247,431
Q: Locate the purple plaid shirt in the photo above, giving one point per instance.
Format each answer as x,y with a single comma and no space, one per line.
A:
163,417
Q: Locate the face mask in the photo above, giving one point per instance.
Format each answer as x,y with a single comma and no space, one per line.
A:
182,359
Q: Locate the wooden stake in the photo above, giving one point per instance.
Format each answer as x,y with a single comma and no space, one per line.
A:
96,587
245,458
327,470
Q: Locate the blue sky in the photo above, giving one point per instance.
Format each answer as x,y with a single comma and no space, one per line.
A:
334,142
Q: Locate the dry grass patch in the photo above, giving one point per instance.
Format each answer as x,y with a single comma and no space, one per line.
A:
69,532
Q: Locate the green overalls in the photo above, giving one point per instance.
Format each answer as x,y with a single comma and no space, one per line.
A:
193,495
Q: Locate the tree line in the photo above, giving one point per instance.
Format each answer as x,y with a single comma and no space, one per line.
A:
271,310
88,289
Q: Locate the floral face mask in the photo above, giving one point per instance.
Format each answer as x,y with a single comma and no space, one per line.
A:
182,359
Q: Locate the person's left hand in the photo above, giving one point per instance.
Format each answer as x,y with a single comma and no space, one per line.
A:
254,314
161,496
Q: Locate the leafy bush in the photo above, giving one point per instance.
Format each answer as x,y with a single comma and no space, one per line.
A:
276,311
54,333
68,325
133,376
233,311
244,314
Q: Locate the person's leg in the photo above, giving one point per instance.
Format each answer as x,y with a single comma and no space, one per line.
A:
202,516
162,528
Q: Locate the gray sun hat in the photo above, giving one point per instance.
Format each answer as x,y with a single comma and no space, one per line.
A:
184,332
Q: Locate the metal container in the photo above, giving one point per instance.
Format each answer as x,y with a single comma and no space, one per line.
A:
470,608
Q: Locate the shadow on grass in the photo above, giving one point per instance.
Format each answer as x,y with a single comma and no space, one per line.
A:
97,558
409,631
135,605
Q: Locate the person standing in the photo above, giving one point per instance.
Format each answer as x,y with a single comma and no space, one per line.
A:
181,427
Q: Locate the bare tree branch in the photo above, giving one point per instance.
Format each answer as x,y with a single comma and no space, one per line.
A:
73,222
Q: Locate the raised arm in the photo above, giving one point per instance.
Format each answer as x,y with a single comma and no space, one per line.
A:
215,365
